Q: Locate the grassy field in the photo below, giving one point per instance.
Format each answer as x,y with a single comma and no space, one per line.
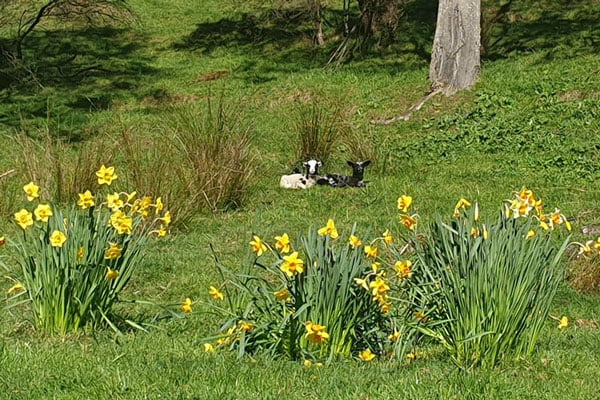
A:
532,120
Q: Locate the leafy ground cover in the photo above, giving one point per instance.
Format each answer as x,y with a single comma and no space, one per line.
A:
532,120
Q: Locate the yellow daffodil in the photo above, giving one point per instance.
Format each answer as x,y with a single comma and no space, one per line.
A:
404,203
385,306
162,232
142,206
215,293
258,246
114,202
371,251
403,268
421,317
24,218
530,234
408,221
2,241
329,229
315,333
283,243
354,242
186,306
462,203
586,249
362,282
209,348
17,287
106,175
596,244
476,212
111,274
292,265
121,222
246,326
379,287
158,206
486,233
32,191
563,323
387,237
307,363
411,356
375,266
366,355
57,239
86,200
166,219
80,253
42,212
114,251
394,336
283,295
475,232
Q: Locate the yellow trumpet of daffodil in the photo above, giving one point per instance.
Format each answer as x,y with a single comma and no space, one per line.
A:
186,306
408,221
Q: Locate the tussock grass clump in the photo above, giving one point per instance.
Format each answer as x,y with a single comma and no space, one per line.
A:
214,148
62,170
318,126
584,275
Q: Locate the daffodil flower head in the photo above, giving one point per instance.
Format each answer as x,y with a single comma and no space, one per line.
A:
86,200
292,265
57,239
258,246
366,355
42,212
404,203
216,293
371,251
186,306
408,221
114,202
461,204
111,274
563,323
283,295
403,268
32,191
283,243
106,175
316,333
114,251
354,241
24,218
329,230
17,287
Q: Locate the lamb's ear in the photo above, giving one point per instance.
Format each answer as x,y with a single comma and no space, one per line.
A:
320,164
350,163
366,163
305,164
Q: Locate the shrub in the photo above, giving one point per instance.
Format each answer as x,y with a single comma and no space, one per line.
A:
76,261
489,286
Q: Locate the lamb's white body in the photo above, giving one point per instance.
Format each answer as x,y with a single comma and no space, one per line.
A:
296,181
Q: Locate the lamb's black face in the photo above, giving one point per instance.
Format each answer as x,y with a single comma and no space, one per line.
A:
359,167
312,166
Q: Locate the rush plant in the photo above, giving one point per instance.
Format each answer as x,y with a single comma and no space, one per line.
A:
74,262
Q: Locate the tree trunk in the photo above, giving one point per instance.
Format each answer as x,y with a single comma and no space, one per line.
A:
315,7
455,57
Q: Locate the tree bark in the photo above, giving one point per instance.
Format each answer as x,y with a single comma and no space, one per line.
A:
455,57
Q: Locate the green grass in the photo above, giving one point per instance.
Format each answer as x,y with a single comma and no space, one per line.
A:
533,119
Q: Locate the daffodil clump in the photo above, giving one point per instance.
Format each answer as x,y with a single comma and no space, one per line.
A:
75,261
323,295
488,285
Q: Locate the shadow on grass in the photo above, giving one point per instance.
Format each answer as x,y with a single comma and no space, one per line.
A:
279,41
70,71
562,29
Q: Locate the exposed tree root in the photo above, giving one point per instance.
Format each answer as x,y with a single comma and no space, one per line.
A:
415,107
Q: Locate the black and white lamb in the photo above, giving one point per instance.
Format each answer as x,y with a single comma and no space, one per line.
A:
356,180
302,181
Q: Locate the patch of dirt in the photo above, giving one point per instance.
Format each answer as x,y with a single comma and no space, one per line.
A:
168,99
211,76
